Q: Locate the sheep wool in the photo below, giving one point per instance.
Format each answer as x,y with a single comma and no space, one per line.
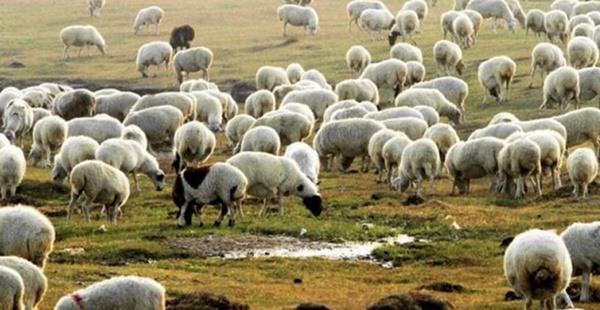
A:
194,144
34,280
73,151
153,54
12,170
301,16
261,139
420,161
48,136
81,36
582,166
306,158
152,15
193,60
357,59
12,288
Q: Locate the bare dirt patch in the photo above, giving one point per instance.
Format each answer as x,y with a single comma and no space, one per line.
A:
204,301
411,301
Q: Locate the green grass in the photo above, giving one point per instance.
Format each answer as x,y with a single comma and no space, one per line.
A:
245,35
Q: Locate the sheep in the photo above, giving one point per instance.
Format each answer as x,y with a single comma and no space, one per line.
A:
580,239
117,293
261,139
199,84
543,123
299,2
356,7
537,265
100,183
259,103
80,36
306,158
271,176
158,123
414,128
6,96
12,288
503,117
299,108
181,37
48,136
26,233
473,159
193,60
100,127
209,110
359,90
357,59
561,86
38,97
387,74
105,92
317,77
345,139
416,73
516,161
476,20
448,57
375,150
496,9
268,77
116,105
186,103
291,126
193,144
13,163
545,57
418,6
582,52
406,52
355,112
556,24
73,151
583,30
152,15
94,6
580,19
589,83
294,72
446,21
420,161
34,281
517,11
581,127
317,99
73,104
499,130
392,113
153,54
374,21
444,137
463,30
564,5
220,183
586,7
297,15
17,121
237,127
340,105
430,115
460,5
407,23
433,98
495,73
454,89
134,133
595,17
229,106
392,154
3,141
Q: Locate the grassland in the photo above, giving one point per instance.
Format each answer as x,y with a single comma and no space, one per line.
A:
245,35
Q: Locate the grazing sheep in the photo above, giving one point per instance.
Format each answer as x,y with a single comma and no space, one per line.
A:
495,73
181,37
393,113
237,127
38,114
564,5
259,103
416,73
317,99
433,98
357,59
585,7
556,24
581,239
158,123
100,127
355,112
294,72
430,115
268,77
387,74
100,183
545,57
356,7
193,60
496,9
73,151
153,54
477,21
196,85
463,31
406,52
261,139
420,161
444,137
359,90
34,280
297,15
317,77
417,6
583,30
537,266
581,126
345,139
413,127
392,154
374,21
116,105
94,6
375,150
306,158
594,16
516,161
228,104
582,52
543,123
446,21
460,5
12,170
186,103
38,98
17,121
407,23
517,11
448,57
271,176
118,293
220,183
589,83
26,233
454,89
48,136
534,21
73,104
473,159
290,126
193,144
152,15
80,36
301,109
500,130
3,141
134,133
561,86
12,288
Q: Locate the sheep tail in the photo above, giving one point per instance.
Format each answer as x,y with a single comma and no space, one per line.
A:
543,276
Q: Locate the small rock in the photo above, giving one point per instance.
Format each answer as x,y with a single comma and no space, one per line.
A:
297,280
367,226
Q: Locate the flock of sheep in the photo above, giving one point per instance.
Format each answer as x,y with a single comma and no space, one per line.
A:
389,115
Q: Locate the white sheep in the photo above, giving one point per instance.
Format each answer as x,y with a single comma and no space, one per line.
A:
517,10
299,108
100,127
374,21
237,127
26,233
516,161
561,86
268,77
463,31
430,115
433,98
272,176
545,57
496,9
199,84
100,183
294,72
118,293
345,139
17,121
38,114
586,7
406,52
12,288
152,15
229,105
193,60
582,52
134,133
193,144
261,139
448,58
306,158
388,74
3,141
297,15
417,6
355,112
94,6
416,73
495,74
73,151
537,265
357,59
444,137
314,75
420,161
259,103
317,99
375,148
413,127
12,170
594,16
447,20
564,5
48,136
534,21
34,280
460,5
556,24
116,105
209,110
153,54
583,30
543,123
454,89
291,126
578,20
476,20
81,36
158,123
589,83
581,239
356,7
393,113
500,130
581,127
392,154
407,23
359,90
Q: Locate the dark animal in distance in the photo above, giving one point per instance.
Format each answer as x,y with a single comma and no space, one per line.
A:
181,37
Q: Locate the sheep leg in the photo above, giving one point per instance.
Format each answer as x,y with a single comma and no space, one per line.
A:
532,74
586,277
13,190
556,178
135,181
584,190
508,82
285,29
79,55
538,187
181,221
418,187
157,30
72,203
575,190
86,209
224,211
66,52
231,214
3,190
528,303
240,211
263,210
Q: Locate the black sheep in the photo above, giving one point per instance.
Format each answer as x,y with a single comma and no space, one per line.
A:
181,37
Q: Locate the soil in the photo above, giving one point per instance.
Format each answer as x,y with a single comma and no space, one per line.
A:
204,301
